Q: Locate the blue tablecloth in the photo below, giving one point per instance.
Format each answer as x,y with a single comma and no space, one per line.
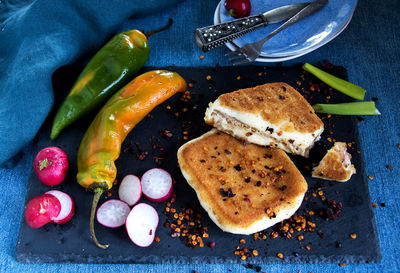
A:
369,49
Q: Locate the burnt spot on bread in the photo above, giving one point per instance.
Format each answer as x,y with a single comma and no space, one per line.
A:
227,193
237,167
270,130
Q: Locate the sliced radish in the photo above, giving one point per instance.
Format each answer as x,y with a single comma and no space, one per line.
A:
67,207
141,224
41,209
130,189
113,213
156,185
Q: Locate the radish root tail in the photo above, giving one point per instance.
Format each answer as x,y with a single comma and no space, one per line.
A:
97,194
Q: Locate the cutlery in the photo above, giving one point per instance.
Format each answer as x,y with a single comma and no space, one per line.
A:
250,52
212,36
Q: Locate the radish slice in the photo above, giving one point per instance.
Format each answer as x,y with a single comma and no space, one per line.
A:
113,213
67,207
130,189
141,224
156,185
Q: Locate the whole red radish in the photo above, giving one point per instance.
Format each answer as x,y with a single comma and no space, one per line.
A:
238,8
41,209
51,165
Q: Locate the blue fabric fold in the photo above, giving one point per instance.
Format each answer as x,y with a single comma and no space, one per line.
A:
36,38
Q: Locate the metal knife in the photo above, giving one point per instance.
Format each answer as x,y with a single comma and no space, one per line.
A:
215,35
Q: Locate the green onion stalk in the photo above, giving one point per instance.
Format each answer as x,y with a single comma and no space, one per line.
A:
349,108
343,86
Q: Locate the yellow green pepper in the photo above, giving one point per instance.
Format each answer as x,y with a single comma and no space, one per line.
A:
101,144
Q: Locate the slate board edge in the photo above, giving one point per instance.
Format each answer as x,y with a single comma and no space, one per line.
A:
30,258
373,220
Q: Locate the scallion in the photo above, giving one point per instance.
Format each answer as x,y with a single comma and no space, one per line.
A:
343,86
348,108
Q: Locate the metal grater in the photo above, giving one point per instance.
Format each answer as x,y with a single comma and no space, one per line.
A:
210,37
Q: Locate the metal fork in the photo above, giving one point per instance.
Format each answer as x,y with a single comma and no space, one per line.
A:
250,52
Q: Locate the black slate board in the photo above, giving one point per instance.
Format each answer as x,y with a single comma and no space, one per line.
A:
72,242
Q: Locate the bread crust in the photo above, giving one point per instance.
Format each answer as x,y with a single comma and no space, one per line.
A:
335,165
244,188
275,114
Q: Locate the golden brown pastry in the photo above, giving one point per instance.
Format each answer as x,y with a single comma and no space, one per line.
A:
273,114
245,188
336,164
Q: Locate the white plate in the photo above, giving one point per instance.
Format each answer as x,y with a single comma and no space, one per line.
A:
299,39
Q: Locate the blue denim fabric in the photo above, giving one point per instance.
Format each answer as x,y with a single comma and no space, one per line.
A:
369,49
37,37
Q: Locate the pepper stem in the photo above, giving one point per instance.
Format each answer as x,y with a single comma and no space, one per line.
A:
148,34
97,193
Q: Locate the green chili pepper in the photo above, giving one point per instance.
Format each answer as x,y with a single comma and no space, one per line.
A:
112,66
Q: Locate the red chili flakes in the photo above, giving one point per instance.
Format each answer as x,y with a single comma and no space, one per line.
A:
157,239
342,264
389,167
201,57
166,133
374,205
186,96
187,225
245,253
141,154
370,177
